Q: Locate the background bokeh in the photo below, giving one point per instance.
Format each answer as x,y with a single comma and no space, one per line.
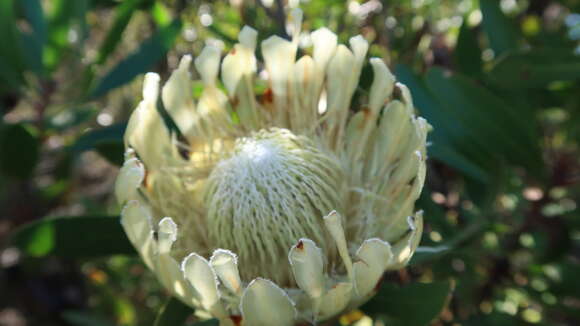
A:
498,80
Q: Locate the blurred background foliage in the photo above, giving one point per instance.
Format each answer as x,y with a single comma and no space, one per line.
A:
499,81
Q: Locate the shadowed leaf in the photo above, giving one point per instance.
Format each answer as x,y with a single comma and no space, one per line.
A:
501,32
73,237
142,60
412,305
173,313
19,150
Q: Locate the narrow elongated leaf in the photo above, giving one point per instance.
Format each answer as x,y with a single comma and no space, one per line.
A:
427,254
33,42
123,14
173,313
535,69
11,67
61,18
19,149
108,141
112,151
73,237
10,76
81,23
501,32
475,131
493,124
459,108
79,318
446,153
494,318
221,34
413,305
451,142
467,52
140,61
90,139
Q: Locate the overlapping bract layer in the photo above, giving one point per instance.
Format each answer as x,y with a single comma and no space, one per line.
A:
247,180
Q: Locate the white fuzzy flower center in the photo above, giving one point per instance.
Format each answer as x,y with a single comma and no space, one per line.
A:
272,191
256,155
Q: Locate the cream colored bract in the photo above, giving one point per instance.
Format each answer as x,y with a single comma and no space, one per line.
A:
278,208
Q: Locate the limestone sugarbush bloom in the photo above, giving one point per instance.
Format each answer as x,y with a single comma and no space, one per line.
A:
279,208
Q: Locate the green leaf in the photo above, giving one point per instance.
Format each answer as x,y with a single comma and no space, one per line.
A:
10,77
475,131
494,318
412,305
33,42
501,32
535,69
123,14
451,156
227,39
427,254
79,318
35,16
173,313
467,52
11,65
73,237
142,60
88,140
80,17
103,4
63,15
450,143
107,141
112,151
19,151
490,123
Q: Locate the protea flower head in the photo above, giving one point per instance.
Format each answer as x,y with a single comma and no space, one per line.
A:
279,208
